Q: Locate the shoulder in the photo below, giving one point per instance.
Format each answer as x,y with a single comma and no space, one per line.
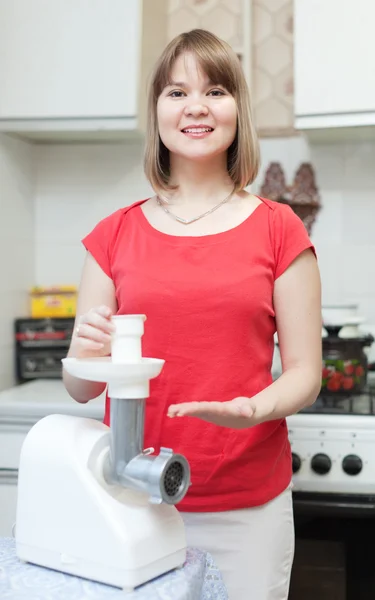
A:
116,218
277,209
109,228
102,240
282,218
288,233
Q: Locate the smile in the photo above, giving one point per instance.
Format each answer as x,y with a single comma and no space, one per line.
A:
197,129
197,132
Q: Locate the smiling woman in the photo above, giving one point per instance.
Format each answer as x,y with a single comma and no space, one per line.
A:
217,271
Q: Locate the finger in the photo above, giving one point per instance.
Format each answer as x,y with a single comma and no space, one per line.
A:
97,320
244,406
86,331
185,408
87,344
105,311
102,318
214,412
245,411
198,409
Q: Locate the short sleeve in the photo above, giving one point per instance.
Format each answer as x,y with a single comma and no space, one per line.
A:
290,238
99,242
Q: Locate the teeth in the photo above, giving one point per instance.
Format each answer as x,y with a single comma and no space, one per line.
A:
197,130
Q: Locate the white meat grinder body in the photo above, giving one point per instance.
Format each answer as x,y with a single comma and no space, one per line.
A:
91,501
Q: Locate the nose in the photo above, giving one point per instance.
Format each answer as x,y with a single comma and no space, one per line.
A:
196,109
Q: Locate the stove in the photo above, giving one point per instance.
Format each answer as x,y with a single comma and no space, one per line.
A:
333,450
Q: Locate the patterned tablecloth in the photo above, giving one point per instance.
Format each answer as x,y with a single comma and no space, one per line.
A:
199,579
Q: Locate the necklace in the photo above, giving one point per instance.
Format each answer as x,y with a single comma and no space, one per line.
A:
188,221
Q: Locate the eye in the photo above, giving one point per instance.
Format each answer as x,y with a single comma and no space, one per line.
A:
217,93
176,94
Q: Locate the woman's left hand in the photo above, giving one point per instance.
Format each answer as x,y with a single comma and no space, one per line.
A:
239,413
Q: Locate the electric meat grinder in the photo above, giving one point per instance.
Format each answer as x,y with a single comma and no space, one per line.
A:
92,501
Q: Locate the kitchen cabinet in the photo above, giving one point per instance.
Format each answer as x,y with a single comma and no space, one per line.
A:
334,64
77,68
12,435
20,408
8,501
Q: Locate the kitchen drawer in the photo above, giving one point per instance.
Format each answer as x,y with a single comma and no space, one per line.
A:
8,501
11,440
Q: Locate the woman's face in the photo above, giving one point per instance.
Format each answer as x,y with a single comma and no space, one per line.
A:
197,118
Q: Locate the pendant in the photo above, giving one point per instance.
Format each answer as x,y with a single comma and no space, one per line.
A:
184,221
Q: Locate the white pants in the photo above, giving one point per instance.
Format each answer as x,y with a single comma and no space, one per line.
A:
253,547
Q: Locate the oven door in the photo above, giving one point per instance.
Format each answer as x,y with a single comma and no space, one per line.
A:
333,505
40,364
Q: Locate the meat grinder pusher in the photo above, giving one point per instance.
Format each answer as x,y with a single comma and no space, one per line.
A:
91,501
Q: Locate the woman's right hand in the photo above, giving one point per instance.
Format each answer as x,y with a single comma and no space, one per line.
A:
92,334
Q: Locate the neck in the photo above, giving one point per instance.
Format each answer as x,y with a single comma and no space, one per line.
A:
200,182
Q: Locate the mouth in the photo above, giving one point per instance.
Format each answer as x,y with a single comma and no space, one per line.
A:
197,132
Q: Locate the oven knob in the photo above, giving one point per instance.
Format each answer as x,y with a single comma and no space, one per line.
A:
30,364
296,463
352,464
321,464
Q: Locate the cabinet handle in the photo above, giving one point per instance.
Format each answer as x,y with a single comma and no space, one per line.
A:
8,476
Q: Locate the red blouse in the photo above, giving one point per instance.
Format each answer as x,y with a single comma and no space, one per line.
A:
210,315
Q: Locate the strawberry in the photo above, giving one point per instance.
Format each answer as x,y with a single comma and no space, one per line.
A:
359,371
333,384
349,369
347,383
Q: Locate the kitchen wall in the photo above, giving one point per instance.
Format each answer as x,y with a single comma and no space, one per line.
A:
17,236
78,185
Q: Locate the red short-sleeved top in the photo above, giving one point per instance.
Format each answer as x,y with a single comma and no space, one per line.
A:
210,315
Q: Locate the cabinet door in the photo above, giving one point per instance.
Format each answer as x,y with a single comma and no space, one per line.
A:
334,57
12,436
69,59
8,501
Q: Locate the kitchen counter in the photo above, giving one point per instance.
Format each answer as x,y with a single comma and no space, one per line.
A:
29,402
199,579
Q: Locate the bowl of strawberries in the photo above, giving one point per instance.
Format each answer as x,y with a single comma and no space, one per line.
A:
345,363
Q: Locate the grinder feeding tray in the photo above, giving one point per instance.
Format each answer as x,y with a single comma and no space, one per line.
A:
92,501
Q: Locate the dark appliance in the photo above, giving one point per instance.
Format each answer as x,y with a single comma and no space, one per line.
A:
333,446
40,344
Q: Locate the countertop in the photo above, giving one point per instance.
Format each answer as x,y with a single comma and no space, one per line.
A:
34,400
199,579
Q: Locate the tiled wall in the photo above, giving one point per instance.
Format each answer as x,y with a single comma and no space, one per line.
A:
16,244
222,17
272,76
78,185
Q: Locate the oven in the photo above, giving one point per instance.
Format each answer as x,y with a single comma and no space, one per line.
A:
333,451
40,344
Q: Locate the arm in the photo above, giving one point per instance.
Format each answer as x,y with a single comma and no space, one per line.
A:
96,290
297,303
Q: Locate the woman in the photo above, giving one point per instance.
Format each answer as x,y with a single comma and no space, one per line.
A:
217,271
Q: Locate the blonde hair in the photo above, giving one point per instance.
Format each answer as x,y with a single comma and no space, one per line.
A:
222,66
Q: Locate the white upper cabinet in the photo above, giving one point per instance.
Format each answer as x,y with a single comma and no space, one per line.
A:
334,63
74,66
